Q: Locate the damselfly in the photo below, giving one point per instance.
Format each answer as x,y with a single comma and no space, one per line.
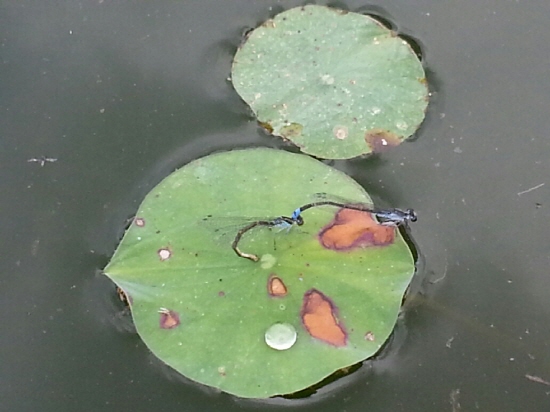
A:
281,222
387,217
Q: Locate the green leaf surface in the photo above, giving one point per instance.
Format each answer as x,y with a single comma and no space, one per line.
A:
337,84
207,312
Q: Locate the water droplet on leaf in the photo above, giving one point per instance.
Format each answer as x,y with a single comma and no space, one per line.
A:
280,336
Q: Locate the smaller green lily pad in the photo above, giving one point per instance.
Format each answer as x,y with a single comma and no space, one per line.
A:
338,84
323,296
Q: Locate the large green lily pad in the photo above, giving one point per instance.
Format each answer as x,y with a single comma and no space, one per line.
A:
321,303
337,84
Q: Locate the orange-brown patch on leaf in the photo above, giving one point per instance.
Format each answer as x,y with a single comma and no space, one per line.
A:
276,287
382,235
351,229
380,140
169,319
320,318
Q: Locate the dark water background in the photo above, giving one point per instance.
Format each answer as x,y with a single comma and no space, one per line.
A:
122,93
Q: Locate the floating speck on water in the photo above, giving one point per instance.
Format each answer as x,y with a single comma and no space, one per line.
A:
280,336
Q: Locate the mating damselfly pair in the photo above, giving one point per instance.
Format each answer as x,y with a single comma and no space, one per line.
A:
386,217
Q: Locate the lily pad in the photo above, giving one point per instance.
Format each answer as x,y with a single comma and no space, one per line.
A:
338,84
323,296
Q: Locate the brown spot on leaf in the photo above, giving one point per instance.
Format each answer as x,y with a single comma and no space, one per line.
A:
369,336
168,318
340,132
340,11
123,296
351,229
270,24
139,221
380,140
164,253
291,130
276,287
319,317
268,128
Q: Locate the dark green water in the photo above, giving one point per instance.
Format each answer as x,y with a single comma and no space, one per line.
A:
122,94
